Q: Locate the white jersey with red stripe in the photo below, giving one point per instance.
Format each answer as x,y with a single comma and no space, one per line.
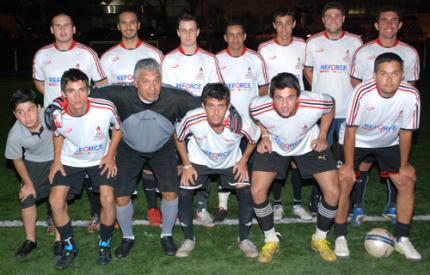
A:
331,62
118,62
280,59
378,119
49,64
364,60
292,136
87,137
206,147
242,75
190,72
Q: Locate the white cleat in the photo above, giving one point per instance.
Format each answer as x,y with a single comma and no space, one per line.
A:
248,248
405,247
300,212
205,218
341,247
186,247
278,212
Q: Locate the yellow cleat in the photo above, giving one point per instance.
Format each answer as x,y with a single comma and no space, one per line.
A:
266,254
323,247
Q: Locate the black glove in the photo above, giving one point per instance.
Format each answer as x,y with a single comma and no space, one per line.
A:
53,113
235,120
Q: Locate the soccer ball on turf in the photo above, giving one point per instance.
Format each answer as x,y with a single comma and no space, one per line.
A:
379,243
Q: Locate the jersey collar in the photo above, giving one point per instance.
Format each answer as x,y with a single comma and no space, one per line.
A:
380,43
275,39
340,37
138,43
86,111
242,53
183,52
72,45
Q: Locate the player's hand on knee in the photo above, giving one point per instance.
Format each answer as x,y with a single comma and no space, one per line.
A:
189,175
25,191
56,167
265,145
108,166
319,144
240,171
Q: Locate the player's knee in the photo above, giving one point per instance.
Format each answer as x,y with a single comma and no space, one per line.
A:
258,194
122,201
29,201
346,186
56,201
107,200
170,196
332,196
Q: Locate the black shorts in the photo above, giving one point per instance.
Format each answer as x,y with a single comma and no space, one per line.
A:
226,177
309,164
387,158
130,162
75,178
38,173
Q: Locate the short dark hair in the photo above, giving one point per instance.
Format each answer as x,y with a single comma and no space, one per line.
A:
235,22
22,96
283,11
333,5
73,75
129,10
387,57
215,90
388,8
61,14
282,81
186,17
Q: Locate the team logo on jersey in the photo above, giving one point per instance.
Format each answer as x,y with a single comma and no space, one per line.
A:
320,50
201,137
99,134
47,62
347,57
77,66
174,66
272,57
69,130
371,57
370,108
333,68
115,58
305,129
299,65
223,67
200,75
400,117
249,74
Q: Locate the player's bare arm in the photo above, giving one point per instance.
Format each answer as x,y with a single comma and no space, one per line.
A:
102,82
240,169
308,73
27,187
263,90
355,81
189,174
320,144
40,86
265,144
57,166
108,161
346,171
406,169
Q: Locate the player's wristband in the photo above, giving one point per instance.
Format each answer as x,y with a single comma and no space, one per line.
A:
187,166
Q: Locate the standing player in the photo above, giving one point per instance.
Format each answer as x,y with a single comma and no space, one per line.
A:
244,73
286,53
190,68
213,149
382,115
290,118
49,64
29,137
118,63
388,23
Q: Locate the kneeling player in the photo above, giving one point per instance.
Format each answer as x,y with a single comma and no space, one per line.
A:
290,132
29,137
382,114
213,149
86,150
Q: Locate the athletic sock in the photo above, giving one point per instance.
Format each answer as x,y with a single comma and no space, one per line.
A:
297,186
277,191
124,215
391,194
264,214
223,196
340,229
402,230
106,232
270,236
326,214
185,211
360,188
150,188
320,235
66,235
245,211
169,210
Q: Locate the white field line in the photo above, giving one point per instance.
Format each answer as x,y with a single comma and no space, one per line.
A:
17,223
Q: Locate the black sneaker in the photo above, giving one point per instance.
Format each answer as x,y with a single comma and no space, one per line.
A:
168,245
124,248
66,259
105,255
220,215
25,249
58,250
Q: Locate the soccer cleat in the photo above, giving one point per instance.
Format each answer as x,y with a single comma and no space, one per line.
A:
154,217
186,247
205,218
357,216
66,259
93,224
267,252
220,215
405,247
124,248
57,250
105,255
341,247
299,211
26,247
168,245
50,226
278,212
323,247
390,213
248,248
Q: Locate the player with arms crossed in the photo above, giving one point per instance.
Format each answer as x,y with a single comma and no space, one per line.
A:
213,149
382,115
288,120
82,146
